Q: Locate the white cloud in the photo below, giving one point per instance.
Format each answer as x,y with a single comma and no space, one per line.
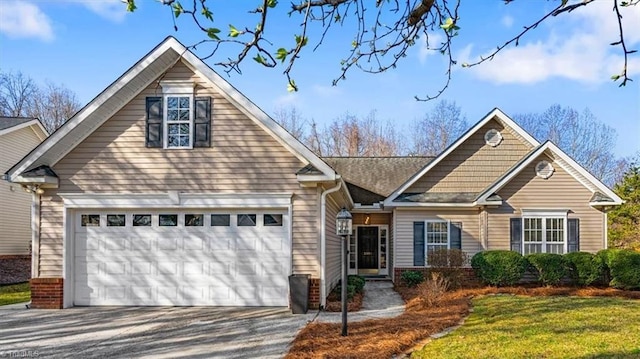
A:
327,91
507,21
576,48
289,99
430,48
21,19
113,10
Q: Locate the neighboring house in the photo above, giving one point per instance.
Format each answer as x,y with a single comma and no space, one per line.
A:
172,188
18,136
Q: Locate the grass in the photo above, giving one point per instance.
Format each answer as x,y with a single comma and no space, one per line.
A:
508,326
596,316
15,293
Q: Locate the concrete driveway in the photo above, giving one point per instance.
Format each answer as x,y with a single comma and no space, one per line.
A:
166,332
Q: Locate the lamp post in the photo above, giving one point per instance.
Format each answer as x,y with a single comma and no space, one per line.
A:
343,228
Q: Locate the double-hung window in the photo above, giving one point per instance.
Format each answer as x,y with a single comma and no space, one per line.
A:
179,121
433,235
544,232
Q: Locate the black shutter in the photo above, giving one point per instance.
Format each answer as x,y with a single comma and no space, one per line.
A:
516,235
154,122
418,244
456,235
202,122
573,235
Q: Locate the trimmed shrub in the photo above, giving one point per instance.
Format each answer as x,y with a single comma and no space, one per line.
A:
357,281
499,267
607,256
412,278
584,268
624,267
550,267
351,291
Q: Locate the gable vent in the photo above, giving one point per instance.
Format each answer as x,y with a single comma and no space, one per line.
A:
493,137
544,169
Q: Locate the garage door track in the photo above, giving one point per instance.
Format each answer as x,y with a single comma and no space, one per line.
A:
167,332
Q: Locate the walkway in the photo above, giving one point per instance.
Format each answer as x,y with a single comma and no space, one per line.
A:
380,301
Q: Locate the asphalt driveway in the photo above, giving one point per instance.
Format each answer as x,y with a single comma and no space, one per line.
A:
165,332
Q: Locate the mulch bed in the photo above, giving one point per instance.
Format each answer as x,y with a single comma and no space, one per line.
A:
334,304
385,338
15,270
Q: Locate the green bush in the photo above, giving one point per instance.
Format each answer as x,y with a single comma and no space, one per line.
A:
499,267
351,291
357,281
550,267
412,278
624,267
584,268
607,255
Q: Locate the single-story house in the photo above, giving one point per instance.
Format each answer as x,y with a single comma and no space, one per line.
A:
173,188
18,136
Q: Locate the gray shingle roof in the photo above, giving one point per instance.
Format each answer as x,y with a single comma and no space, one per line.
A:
8,122
600,197
377,175
40,171
443,197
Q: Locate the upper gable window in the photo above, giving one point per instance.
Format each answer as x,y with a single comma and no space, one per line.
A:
493,137
178,119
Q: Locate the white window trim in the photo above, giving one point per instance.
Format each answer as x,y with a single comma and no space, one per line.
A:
545,214
165,117
426,243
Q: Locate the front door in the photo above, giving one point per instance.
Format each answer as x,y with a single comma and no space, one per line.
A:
368,248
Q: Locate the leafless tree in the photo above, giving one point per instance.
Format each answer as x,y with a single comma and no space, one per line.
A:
352,136
291,120
438,129
384,31
581,135
52,104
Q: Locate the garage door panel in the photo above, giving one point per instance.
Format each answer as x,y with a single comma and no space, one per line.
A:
182,265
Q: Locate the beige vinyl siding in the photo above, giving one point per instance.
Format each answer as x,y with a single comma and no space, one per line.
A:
242,159
560,191
333,245
473,165
404,231
15,204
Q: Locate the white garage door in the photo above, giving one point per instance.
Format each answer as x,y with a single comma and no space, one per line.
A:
182,258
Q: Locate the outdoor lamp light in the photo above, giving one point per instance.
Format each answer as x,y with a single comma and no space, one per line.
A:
343,228
343,222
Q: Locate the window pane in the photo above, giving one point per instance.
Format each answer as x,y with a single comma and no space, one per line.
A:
168,220
273,220
184,115
352,252
383,248
115,220
532,248
220,220
141,220
184,141
555,248
246,220
172,102
194,220
174,129
90,220
184,129
172,115
184,102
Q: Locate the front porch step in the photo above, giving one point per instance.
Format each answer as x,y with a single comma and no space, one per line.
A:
376,278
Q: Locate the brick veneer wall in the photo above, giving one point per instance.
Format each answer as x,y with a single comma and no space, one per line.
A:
469,278
16,256
46,293
314,293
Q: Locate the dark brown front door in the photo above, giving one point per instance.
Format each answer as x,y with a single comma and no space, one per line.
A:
367,247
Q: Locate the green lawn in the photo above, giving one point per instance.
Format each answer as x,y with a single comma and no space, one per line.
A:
506,326
15,293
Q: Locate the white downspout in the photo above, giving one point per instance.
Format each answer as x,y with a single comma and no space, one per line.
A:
35,234
323,239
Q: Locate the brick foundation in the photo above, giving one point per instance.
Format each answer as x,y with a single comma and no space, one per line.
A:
469,278
46,293
16,256
314,293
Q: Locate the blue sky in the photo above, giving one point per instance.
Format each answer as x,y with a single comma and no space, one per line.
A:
87,44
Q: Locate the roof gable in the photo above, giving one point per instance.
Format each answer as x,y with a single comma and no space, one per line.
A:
11,124
495,114
135,80
602,194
